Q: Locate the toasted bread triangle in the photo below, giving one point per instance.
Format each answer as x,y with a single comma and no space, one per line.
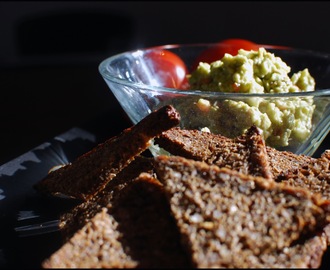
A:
229,219
134,230
91,172
246,154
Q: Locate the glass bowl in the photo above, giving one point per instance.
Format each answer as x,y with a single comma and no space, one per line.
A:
141,87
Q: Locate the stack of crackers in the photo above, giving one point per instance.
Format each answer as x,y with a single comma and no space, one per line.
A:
212,202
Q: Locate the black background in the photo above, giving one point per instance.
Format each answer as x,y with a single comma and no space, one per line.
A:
50,52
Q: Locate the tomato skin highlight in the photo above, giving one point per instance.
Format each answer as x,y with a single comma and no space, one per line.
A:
230,46
169,68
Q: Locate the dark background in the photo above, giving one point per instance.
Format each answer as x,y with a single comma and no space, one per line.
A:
50,52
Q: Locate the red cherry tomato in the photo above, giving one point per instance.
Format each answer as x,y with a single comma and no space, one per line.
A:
169,69
230,46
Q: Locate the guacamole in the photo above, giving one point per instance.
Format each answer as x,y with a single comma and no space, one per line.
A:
283,121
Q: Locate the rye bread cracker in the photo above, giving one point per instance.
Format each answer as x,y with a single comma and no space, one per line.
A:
91,172
134,230
230,219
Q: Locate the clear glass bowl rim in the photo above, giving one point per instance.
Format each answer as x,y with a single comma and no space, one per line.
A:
108,76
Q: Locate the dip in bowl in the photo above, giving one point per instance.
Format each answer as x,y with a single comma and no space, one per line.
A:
283,91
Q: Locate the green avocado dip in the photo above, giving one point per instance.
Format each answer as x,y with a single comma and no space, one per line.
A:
282,121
